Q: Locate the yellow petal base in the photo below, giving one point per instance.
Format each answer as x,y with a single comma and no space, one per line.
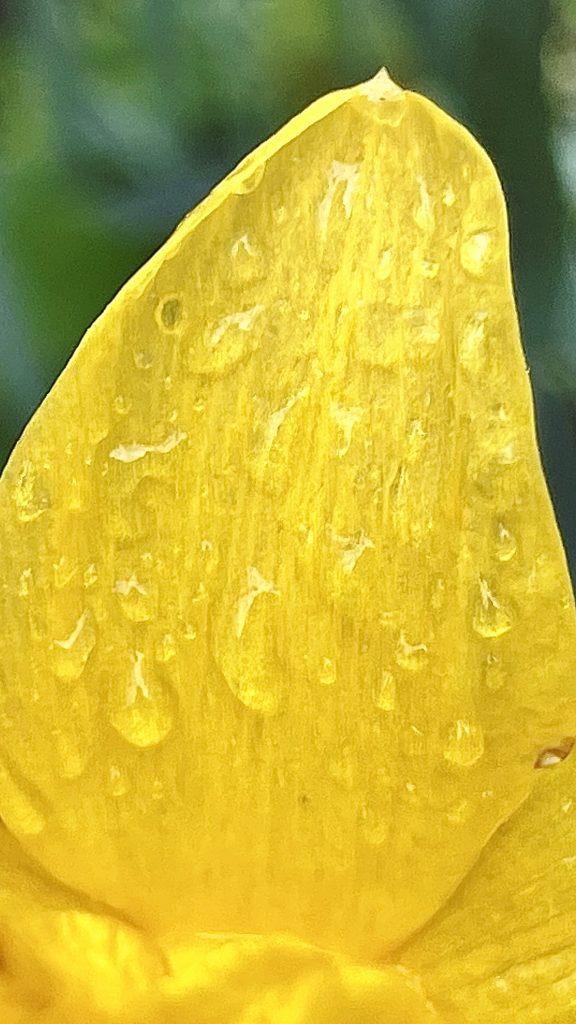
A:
76,968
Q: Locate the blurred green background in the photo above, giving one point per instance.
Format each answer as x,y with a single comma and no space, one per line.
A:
119,115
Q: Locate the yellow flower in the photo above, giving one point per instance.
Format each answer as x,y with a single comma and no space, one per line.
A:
287,651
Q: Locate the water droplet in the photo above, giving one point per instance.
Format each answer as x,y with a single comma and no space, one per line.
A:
338,174
70,655
412,741
165,648
169,313
422,330
241,245
476,251
449,196
460,812
64,572
385,262
465,744
554,755
145,718
494,674
438,595
346,419
26,578
505,543
256,585
428,268
119,784
380,88
273,426
472,346
16,809
424,211
352,549
135,599
134,452
385,692
241,186
121,405
90,576
490,619
342,769
226,343
30,499
279,213
416,438
143,360
157,789
409,655
327,673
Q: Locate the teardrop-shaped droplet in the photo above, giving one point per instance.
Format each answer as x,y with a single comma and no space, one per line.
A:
552,755
244,185
409,655
165,648
70,655
494,674
135,599
473,343
465,744
119,784
490,618
327,672
385,692
30,499
476,251
144,719
505,543
169,313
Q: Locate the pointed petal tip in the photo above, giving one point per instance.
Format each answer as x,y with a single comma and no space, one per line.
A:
381,87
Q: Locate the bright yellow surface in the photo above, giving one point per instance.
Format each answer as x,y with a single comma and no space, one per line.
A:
285,619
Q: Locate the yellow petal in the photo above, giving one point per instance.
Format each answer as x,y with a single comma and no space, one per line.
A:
504,948
285,616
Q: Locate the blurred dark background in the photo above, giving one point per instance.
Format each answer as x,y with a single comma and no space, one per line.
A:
117,116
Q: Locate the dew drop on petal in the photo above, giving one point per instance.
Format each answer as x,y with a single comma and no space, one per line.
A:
505,543
465,744
327,674
71,653
490,618
494,674
553,755
475,252
410,655
385,692
119,784
134,598
169,313
30,499
143,360
144,718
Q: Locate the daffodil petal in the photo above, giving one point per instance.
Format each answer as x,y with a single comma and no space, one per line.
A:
285,616
504,949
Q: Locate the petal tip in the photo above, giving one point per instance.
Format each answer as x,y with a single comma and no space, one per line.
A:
380,87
